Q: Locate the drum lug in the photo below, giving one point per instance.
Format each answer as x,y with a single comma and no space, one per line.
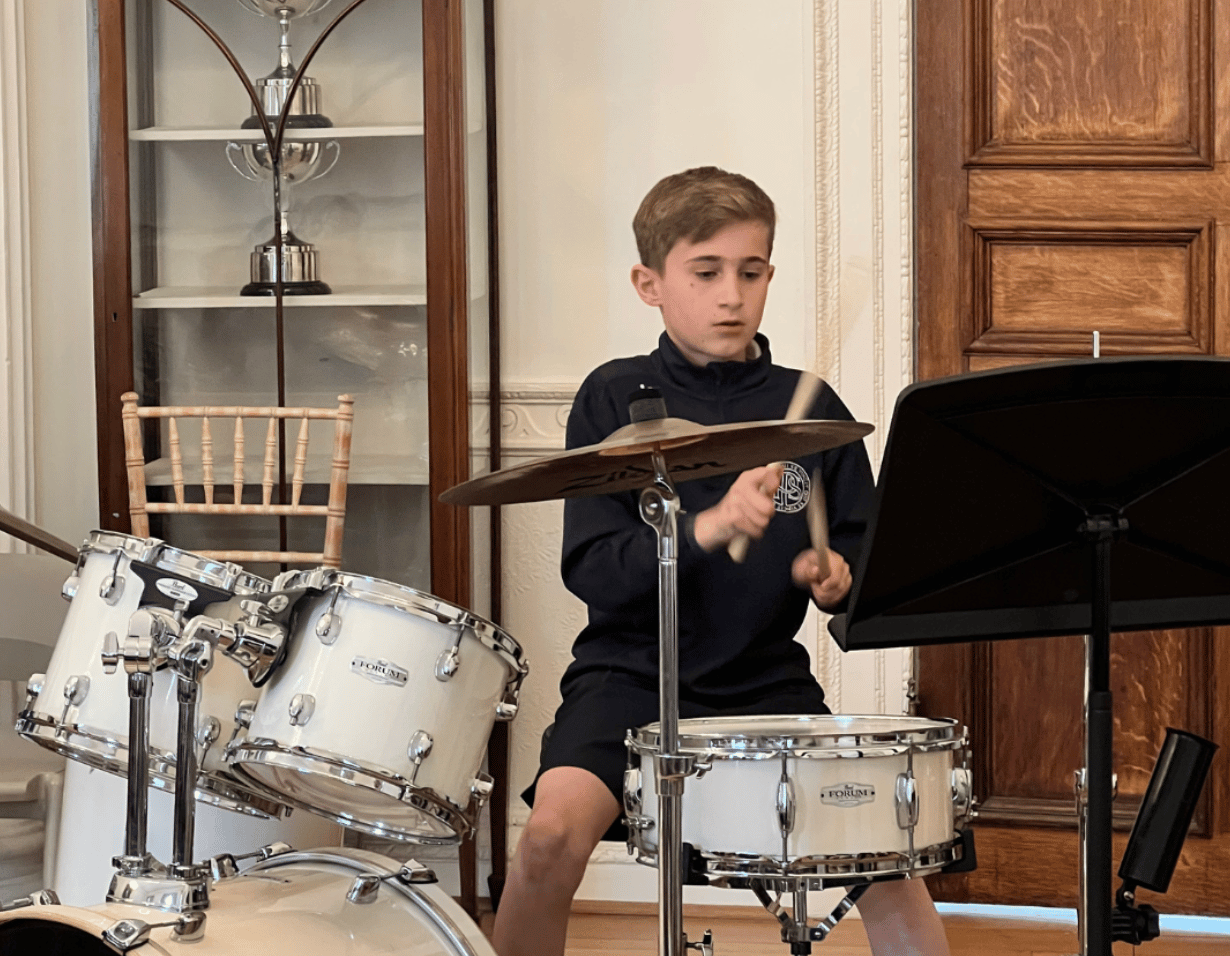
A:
506,710
418,750
413,872
69,589
364,889
328,620
907,801
449,661
189,928
785,806
126,934
302,706
40,898
480,789
207,732
962,792
244,713
34,688
76,689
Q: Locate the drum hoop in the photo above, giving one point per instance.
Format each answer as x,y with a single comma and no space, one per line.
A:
726,866
363,861
167,557
945,734
260,750
400,597
96,749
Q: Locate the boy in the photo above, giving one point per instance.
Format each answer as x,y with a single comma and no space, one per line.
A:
704,237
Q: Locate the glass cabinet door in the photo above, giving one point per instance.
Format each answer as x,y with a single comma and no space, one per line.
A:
376,229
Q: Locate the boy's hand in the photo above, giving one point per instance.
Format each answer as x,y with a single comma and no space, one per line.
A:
826,591
745,509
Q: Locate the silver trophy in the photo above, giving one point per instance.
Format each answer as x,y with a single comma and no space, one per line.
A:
301,160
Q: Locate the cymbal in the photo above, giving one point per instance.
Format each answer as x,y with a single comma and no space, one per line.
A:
624,460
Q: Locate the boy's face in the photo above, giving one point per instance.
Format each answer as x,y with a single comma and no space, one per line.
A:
712,292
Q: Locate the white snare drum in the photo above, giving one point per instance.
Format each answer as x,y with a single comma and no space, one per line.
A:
79,710
809,797
296,904
379,716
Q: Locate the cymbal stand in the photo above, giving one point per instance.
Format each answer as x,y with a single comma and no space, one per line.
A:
659,507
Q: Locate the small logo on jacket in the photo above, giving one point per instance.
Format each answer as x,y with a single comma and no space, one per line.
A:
794,490
848,794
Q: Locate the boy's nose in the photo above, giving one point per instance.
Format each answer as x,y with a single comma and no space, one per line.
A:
731,291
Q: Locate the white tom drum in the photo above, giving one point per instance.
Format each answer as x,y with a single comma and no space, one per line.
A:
379,716
81,711
296,904
809,797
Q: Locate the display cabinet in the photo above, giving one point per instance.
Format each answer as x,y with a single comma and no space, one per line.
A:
384,172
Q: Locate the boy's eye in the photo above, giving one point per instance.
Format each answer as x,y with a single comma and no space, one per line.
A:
752,274
706,274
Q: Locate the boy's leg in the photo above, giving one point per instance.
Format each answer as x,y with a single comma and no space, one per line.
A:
901,920
572,810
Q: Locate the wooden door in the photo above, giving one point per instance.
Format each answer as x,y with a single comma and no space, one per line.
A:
1073,171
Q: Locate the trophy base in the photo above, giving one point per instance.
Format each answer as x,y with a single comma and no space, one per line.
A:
315,287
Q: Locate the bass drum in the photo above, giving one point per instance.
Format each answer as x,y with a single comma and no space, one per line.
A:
295,904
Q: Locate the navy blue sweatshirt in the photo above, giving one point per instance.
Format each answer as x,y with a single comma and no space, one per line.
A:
736,621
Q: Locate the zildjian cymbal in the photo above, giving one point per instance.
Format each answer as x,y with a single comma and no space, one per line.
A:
624,460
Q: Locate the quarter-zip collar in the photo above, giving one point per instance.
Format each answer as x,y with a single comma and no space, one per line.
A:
727,379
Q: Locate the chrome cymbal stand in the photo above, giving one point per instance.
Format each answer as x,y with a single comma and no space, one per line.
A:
660,510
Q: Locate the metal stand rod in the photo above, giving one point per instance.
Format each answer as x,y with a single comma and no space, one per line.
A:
660,509
1095,903
137,823
191,664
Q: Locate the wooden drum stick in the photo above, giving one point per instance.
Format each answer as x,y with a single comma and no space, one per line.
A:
805,392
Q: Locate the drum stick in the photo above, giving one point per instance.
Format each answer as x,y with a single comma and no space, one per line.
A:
805,391
818,522
33,534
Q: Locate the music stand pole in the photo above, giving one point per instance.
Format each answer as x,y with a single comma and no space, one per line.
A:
1095,902
660,510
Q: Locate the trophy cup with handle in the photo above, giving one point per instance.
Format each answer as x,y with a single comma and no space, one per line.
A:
300,160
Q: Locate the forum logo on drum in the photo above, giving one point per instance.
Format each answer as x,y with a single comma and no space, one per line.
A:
848,794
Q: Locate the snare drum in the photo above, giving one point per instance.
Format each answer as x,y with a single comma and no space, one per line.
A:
296,904
79,710
380,714
809,797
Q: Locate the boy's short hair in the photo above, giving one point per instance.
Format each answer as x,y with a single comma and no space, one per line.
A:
694,205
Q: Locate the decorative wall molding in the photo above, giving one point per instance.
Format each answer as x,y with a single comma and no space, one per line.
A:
533,418
827,360
17,471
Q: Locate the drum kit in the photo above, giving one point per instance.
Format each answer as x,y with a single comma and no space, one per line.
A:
370,703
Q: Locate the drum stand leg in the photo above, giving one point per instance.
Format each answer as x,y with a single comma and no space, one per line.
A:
660,510
795,929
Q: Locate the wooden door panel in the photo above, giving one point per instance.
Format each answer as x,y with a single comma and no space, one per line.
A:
1095,82
1075,188
1042,289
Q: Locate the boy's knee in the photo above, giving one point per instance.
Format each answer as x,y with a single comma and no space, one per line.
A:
551,849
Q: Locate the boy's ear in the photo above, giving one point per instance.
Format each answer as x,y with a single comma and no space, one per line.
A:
647,284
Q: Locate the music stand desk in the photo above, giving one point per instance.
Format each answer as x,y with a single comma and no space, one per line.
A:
1007,498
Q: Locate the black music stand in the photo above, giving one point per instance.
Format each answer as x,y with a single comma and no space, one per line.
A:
1005,500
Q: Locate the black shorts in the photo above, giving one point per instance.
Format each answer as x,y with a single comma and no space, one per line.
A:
600,707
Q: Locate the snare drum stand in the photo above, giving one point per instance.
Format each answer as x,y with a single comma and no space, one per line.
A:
660,510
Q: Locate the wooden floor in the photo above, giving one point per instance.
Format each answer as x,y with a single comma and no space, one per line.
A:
615,929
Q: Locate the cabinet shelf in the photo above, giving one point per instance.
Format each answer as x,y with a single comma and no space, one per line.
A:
227,297
187,134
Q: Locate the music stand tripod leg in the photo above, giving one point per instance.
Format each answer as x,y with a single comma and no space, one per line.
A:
660,510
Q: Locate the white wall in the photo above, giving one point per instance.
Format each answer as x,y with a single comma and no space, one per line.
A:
597,101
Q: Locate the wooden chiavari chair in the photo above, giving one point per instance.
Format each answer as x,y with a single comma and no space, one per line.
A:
334,512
